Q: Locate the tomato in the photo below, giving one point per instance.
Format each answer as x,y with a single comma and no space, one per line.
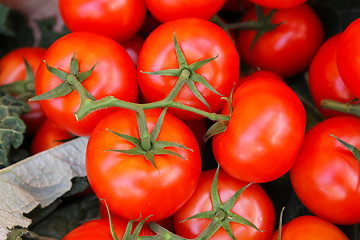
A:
164,10
199,39
100,229
48,136
326,175
278,3
348,53
290,47
114,75
133,47
325,81
130,184
265,131
12,68
118,20
253,205
310,228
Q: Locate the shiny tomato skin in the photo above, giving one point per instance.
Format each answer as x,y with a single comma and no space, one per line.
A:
118,20
165,10
348,55
253,204
325,81
48,136
300,34
100,229
130,184
310,228
12,68
278,4
326,175
265,131
199,39
114,74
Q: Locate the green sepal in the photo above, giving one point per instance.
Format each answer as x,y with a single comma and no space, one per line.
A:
351,148
166,72
84,75
74,65
196,92
62,90
179,54
112,230
215,129
57,72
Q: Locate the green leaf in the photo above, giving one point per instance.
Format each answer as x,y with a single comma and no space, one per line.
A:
12,127
38,180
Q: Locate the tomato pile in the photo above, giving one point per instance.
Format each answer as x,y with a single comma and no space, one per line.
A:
194,129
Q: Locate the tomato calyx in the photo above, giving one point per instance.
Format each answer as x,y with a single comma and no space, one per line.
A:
71,81
23,89
190,70
221,214
148,145
262,25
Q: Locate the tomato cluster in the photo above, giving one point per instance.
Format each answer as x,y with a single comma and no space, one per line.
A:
140,95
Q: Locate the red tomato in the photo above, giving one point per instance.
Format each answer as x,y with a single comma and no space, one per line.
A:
278,3
100,229
165,10
310,228
199,39
290,47
133,47
326,175
265,131
12,68
114,75
253,204
118,20
348,53
325,81
48,136
130,184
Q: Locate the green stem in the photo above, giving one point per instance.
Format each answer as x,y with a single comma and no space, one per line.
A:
143,130
353,109
184,77
210,230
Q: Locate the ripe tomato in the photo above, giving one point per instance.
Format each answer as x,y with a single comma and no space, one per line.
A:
325,81
290,47
164,10
100,229
199,39
253,204
278,3
118,20
12,68
48,136
265,131
130,184
326,175
348,54
310,228
114,74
